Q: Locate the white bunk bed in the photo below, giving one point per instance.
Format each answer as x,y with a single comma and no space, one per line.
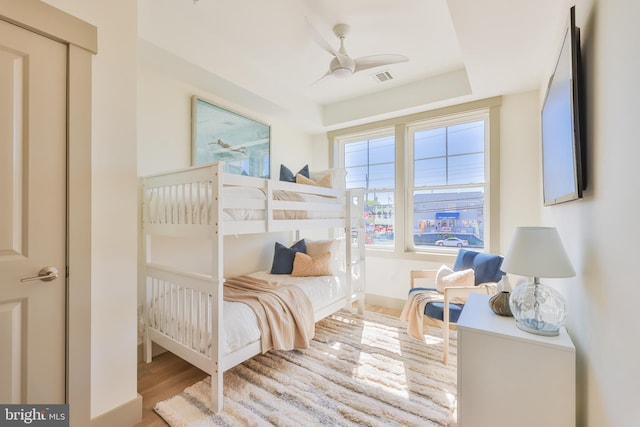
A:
183,310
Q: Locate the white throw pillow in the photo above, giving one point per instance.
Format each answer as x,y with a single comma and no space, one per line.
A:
318,247
338,176
446,277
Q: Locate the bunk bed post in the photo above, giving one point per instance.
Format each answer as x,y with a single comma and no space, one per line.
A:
348,237
269,205
361,250
355,223
217,274
143,260
147,345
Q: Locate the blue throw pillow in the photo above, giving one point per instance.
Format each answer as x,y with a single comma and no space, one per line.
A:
485,266
283,257
287,175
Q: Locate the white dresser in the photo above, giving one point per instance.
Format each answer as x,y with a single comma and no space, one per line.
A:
508,377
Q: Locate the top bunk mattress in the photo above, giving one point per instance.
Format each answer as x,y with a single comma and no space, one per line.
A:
197,204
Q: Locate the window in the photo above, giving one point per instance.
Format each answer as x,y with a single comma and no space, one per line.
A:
427,178
447,194
370,164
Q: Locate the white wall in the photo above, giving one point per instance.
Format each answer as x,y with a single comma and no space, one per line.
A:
599,231
520,154
114,245
164,124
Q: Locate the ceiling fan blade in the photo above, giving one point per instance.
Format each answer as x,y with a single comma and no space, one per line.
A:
366,62
317,37
325,75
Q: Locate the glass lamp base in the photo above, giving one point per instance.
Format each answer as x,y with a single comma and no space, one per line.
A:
538,309
546,332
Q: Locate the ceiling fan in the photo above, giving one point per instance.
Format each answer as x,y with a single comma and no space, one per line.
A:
342,65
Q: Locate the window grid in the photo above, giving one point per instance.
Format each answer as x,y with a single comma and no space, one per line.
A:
370,164
446,205
475,194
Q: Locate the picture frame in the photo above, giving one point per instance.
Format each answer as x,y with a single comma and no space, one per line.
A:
219,134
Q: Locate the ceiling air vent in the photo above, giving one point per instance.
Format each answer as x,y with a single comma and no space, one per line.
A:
382,76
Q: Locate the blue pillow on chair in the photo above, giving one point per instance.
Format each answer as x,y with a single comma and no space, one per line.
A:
485,266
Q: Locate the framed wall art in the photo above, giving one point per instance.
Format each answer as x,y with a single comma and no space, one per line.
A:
222,135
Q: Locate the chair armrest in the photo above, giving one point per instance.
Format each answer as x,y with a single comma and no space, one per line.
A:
422,274
463,291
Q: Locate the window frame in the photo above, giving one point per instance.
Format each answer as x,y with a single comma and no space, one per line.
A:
382,132
403,238
438,123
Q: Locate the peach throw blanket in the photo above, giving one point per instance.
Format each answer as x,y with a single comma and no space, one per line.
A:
413,311
285,314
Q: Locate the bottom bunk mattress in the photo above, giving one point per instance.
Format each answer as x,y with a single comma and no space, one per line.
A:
186,316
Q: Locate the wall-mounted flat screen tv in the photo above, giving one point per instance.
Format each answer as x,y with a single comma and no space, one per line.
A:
563,135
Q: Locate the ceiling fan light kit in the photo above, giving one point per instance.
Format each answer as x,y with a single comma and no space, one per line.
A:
341,71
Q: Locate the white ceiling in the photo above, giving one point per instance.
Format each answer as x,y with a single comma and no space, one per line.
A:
260,53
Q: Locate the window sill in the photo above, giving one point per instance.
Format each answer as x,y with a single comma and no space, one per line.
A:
443,257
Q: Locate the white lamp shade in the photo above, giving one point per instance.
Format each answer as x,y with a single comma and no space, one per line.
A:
537,252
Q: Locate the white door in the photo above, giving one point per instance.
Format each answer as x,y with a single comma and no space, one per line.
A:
33,130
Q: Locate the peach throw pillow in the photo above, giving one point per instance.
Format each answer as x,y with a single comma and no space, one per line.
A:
325,181
305,265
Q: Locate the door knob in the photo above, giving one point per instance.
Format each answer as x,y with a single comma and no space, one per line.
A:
47,274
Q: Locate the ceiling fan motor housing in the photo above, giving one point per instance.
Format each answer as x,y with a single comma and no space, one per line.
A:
344,69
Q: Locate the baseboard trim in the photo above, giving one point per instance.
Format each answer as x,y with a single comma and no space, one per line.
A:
383,301
125,415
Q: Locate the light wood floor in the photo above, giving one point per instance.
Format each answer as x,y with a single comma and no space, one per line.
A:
167,375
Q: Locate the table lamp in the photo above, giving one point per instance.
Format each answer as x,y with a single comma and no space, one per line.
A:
537,252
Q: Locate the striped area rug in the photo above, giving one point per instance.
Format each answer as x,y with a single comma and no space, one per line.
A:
360,370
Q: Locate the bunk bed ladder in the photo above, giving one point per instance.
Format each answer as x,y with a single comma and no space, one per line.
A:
355,230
